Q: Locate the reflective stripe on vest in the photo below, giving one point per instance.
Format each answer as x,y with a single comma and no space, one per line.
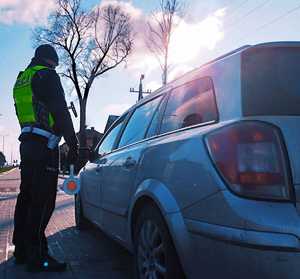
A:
23,97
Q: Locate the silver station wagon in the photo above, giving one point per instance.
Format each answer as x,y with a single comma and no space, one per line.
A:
201,179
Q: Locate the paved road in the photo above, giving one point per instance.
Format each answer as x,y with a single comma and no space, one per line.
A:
9,182
90,254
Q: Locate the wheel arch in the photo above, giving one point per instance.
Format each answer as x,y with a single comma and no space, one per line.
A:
153,192
156,193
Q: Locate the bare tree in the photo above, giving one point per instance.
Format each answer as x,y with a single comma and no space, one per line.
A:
90,42
161,26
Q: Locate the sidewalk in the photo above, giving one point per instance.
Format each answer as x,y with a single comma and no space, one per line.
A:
90,254
10,180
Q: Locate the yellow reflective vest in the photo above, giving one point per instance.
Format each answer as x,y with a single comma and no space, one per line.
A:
23,94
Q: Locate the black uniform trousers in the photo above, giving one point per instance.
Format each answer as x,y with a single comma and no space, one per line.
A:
36,200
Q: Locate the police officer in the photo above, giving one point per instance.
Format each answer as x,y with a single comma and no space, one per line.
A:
44,117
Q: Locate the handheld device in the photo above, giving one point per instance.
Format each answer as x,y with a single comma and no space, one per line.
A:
71,185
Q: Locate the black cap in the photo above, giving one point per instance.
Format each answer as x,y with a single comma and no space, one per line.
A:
47,52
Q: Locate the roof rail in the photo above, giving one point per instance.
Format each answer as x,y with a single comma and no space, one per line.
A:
226,54
210,62
279,44
205,64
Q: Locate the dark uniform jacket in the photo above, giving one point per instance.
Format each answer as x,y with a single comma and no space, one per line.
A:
48,96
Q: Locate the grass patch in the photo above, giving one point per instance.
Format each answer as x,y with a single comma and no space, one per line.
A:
4,169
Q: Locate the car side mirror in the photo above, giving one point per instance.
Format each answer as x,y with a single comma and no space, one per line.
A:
93,155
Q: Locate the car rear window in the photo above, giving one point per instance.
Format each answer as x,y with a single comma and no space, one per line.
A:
190,104
271,81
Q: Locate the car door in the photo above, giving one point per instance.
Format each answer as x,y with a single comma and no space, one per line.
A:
92,177
91,190
121,168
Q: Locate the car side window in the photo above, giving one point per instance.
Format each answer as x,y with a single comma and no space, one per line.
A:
152,130
139,122
190,104
107,144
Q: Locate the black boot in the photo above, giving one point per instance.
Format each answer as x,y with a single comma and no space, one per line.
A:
44,263
48,264
20,255
55,264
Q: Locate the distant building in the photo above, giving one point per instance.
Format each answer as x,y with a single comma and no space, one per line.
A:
111,119
2,160
92,137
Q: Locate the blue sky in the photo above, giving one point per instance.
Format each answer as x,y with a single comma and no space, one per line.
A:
210,28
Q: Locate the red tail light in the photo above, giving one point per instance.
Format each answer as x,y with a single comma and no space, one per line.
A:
250,157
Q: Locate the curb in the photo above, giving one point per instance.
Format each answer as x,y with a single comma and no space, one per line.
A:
7,172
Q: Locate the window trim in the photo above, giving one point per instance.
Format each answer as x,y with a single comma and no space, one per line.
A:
117,147
217,120
123,119
165,98
159,110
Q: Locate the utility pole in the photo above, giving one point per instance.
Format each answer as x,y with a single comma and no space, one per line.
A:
140,91
11,154
3,142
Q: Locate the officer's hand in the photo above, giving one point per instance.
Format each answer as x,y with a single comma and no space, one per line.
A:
72,156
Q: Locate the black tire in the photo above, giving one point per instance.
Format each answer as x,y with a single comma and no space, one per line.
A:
81,222
154,251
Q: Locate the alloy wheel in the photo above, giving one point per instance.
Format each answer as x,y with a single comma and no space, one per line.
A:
151,252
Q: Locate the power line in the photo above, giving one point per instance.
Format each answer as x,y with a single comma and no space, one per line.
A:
238,7
256,8
232,13
140,91
278,18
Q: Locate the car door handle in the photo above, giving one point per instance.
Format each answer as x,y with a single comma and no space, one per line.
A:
103,161
98,169
129,163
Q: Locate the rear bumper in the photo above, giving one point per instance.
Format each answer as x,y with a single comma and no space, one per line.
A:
235,253
247,238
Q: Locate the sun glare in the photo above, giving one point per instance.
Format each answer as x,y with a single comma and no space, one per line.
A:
190,38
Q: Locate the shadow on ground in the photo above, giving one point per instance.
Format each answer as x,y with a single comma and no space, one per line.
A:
4,223
90,254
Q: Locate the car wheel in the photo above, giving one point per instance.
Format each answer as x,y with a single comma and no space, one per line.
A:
154,252
80,221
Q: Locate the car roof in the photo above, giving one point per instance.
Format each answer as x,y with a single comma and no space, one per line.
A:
237,51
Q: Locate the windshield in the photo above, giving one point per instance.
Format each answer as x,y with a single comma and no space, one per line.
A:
271,81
